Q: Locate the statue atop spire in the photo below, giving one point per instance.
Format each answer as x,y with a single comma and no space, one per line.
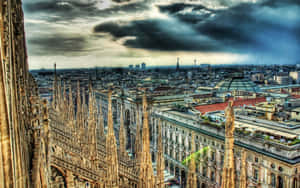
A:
112,172
228,174
192,176
146,177
160,165
122,138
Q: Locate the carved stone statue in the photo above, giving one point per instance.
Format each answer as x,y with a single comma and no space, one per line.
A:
229,125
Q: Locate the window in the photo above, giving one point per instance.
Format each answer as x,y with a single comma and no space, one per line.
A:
256,159
212,176
213,156
295,183
204,171
273,180
280,169
255,174
273,165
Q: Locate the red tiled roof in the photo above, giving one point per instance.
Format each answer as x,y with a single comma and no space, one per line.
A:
296,96
221,106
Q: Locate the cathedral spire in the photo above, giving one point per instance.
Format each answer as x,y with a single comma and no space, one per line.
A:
146,176
228,174
192,176
112,172
59,98
54,90
101,121
71,106
138,147
83,110
122,138
64,103
92,127
78,106
160,166
91,105
243,175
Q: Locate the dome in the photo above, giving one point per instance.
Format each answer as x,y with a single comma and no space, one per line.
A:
237,84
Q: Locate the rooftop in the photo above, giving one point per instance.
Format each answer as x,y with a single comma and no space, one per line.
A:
221,106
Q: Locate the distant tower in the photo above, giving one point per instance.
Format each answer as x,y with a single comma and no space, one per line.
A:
228,174
195,62
144,66
177,66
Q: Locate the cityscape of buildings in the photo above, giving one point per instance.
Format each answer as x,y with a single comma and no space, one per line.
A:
198,126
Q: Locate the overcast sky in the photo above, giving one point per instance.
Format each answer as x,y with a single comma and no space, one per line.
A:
89,33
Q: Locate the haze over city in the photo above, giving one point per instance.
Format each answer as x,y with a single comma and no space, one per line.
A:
90,33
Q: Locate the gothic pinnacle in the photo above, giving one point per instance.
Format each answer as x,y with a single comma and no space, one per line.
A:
112,178
71,106
146,176
243,175
137,137
192,177
228,174
160,159
101,121
122,138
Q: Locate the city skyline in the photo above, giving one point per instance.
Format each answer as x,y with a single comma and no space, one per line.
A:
92,33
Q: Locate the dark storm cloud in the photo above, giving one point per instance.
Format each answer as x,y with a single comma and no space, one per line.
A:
196,13
57,45
71,9
268,28
157,34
